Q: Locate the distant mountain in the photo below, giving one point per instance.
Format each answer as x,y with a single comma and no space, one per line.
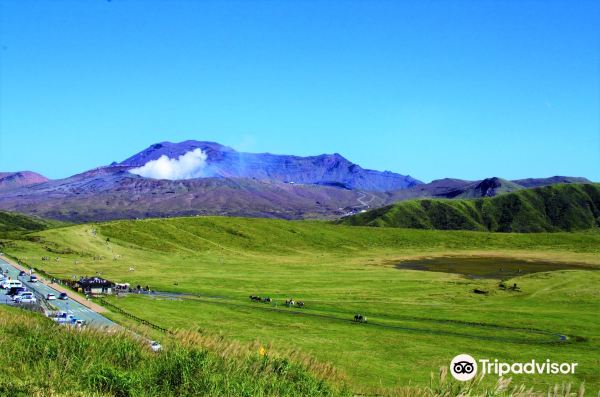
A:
459,188
537,182
13,180
562,207
114,193
324,169
489,187
207,178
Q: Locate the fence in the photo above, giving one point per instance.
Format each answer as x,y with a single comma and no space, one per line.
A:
133,317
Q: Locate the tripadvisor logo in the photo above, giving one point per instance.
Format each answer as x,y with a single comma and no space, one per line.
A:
464,367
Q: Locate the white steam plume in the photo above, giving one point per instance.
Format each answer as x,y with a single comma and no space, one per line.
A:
187,166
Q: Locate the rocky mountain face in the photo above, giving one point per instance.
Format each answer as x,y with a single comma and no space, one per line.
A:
14,180
113,193
233,183
223,181
325,169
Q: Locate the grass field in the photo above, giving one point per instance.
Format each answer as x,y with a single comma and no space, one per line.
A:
51,360
418,320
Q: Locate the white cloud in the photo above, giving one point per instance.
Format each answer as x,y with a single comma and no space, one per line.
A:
187,166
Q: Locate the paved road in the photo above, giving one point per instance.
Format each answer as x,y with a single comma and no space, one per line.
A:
362,201
70,306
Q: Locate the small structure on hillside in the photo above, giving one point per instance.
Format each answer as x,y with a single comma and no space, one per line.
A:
95,286
122,287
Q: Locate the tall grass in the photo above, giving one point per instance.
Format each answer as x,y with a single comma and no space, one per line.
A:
442,386
44,359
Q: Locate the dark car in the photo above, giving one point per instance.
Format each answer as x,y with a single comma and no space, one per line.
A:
22,273
63,296
15,290
33,279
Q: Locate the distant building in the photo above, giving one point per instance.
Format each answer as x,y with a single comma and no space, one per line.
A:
95,286
122,287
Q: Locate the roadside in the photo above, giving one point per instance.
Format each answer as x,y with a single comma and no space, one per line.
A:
71,294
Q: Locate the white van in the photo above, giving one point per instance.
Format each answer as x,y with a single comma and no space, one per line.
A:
8,284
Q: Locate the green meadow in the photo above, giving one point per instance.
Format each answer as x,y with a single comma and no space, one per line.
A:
51,360
417,320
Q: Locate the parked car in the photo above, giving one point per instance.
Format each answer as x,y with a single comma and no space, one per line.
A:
64,317
63,296
50,297
25,298
33,278
16,290
7,284
22,273
155,346
19,292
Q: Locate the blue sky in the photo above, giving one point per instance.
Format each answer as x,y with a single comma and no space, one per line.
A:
465,89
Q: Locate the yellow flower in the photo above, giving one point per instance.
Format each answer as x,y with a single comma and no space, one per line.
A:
262,351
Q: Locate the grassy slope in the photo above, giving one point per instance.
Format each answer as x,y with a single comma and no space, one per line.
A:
549,208
338,271
13,222
47,359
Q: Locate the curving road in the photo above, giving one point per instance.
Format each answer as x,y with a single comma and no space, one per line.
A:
70,306
361,199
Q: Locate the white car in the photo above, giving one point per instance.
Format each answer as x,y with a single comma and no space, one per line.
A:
79,323
155,346
7,284
50,297
25,298
63,317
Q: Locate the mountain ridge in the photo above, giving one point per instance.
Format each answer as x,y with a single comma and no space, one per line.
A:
561,207
223,161
15,180
326,186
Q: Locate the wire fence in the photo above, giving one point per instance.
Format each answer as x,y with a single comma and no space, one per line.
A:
140,320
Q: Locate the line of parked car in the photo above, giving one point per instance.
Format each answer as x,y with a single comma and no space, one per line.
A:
16,290
19,293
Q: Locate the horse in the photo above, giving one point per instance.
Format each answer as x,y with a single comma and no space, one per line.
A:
359,318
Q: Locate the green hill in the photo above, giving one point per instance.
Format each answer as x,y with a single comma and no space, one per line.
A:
12,223
545,209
